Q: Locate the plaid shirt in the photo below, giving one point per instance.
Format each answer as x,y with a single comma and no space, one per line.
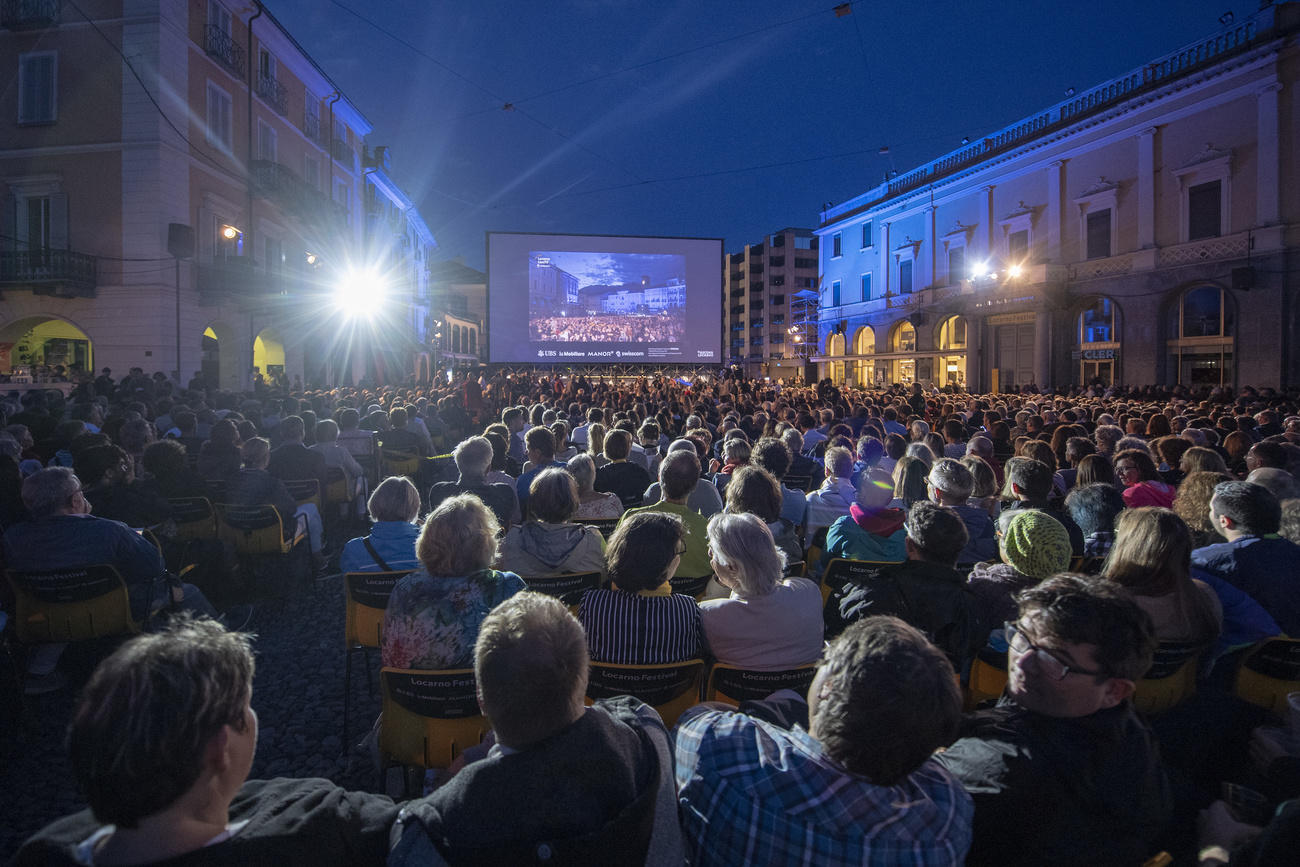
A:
752,793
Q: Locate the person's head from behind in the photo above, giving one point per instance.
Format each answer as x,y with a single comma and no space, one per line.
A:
839,462
793,440
935,534
772,455
744,555
292,429
1095,470
583,470
255,453
53,491
530,663
473,456
553,496
1094,507
164,459
1152,553
165,712
618,445
395,499
1244,509
1029,480
884,699
540,443
754,491
679,472
458,538
1281,483
644,550
1034,543
1079,646
327,431
950,482
909,480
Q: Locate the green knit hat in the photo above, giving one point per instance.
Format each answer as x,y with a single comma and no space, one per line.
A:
1036,544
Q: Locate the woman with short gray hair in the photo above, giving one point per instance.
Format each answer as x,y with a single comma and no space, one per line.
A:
768,623
592,504
390,546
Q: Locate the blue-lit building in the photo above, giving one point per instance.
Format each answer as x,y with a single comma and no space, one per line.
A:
1144,230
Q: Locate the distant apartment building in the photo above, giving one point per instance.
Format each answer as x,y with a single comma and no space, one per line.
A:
771,302
459,310
1143,231
213,152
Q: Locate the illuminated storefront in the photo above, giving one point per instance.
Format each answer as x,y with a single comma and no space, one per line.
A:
1201,325
951,366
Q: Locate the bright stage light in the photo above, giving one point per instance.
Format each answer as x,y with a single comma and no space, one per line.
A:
1014,271
979,269
360,293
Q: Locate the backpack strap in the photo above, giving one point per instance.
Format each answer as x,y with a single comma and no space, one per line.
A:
365,540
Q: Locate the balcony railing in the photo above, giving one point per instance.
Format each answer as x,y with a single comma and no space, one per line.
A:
226,51
311,127
50,272
294,195
30,14
343,154
275,94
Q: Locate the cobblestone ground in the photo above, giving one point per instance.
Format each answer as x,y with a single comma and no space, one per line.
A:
298,696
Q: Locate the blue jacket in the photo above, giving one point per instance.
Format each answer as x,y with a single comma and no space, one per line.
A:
1267,568
394,541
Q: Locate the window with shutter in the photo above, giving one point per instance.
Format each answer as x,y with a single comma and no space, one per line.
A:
37,78
1099,234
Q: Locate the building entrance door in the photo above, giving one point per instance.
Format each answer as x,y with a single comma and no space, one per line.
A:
1015,354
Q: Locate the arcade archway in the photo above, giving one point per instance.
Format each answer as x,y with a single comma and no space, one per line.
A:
268,354
38,346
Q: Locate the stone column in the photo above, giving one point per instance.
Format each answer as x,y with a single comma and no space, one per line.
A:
929,245
885,253
1042,349
1267,211
1146,178
1055,176
986,217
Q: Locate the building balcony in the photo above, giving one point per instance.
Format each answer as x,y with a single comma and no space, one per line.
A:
239,277
275,94
226,51
294,195
50,272
343,154
30,14
311,127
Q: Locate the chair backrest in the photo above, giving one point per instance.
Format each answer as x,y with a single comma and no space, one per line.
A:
365,600
217,488
797,483
1269,671
74,604
568,587
251,529
988,676
733,685
394,462
669,688
842,570
1171,679
194,518
336,486
690,586
303,490
604,525
1087,565
429,717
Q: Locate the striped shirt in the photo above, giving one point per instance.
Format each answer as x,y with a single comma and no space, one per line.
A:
753,793
630,629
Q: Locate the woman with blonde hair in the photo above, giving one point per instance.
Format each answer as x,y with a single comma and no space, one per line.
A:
1192,504
596,444
434,613
1152,558
1201,459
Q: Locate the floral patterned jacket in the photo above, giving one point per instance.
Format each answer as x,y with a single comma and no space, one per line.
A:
432,623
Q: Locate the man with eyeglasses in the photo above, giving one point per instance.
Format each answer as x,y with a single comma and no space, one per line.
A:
1063,771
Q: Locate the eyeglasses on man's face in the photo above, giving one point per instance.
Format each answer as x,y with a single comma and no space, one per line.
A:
1048,663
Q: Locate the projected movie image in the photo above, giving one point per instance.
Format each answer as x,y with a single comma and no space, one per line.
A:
600,297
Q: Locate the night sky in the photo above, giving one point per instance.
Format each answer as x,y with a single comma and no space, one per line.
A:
667,118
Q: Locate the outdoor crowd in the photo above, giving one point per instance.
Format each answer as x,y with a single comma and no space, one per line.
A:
1068,540
610,328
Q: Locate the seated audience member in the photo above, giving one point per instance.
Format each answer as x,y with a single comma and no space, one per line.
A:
254,486
171,476
679,475
950,486
1062,770
872,530
62,534
835,496
291,460
337,457
473,456
400,437
1030,485
1135,470
592,504
559,775
1193,505
540,443
755,491
859,786
1202,459
984,493
219,456
770,454
1095,470
926,590
1279,482
112,489
736,453
549,543
641,621
768,622
1033,546
909,482
801,466
1289,528
390,546
434,614
704,499
1254,558
503,468
620,476
181,794
1151,558
1094,508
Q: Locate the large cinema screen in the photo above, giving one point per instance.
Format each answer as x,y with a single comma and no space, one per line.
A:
604,299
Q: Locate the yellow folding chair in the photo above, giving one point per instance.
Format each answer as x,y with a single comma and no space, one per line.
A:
731,684
429,717
842,570
194,518
304,491
988,676
1269,671
669,688
568,587
1171,679
604,525
690,586
365,597
74,604
257,532
393,462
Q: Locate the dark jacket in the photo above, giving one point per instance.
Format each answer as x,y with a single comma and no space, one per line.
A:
290,821
258,488
294,461
932,597
600,791
219,460
1048,790
1266,567
626,479
497,496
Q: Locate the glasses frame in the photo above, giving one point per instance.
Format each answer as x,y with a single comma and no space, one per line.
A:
1044,658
